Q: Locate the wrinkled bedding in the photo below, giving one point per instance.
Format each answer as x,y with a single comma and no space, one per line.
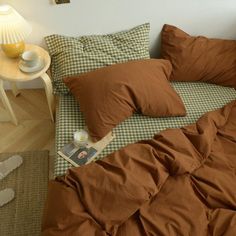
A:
181,182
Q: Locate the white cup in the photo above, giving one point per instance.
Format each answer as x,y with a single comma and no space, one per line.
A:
30,58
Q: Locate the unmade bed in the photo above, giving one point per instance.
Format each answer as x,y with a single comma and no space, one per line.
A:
159,176
180,182
198,98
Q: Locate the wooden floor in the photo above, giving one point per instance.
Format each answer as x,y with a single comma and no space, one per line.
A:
35,130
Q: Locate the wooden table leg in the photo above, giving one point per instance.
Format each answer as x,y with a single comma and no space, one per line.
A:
6,103
49,93
14,89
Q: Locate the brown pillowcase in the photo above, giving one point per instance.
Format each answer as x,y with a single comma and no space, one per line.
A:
109,95
199,58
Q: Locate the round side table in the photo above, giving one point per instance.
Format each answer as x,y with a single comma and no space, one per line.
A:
9,71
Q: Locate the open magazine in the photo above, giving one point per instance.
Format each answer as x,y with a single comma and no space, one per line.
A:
78,156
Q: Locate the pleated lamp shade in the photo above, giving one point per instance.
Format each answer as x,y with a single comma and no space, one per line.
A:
13,30
13,27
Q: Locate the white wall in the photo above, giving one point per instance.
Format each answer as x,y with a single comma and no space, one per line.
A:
213,18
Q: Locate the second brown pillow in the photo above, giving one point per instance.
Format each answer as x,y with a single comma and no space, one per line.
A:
199,58
110,95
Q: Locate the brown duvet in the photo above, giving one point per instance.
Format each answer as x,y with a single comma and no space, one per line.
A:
182,182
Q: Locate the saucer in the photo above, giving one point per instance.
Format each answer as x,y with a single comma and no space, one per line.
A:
39,66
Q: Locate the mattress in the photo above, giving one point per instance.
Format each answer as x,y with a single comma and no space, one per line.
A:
198,98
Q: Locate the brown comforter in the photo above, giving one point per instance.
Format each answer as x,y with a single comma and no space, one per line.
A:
182,182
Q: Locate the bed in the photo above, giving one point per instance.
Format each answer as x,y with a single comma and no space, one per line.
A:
198,98
180,182
171,175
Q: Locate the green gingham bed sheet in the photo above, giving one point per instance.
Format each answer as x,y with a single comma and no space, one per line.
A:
198,98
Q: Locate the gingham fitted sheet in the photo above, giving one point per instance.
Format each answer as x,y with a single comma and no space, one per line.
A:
198,98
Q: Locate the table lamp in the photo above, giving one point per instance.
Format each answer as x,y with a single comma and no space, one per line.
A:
13,30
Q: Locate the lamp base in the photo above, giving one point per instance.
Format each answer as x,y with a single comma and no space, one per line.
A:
13,50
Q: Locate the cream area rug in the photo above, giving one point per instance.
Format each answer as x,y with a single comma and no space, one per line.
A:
22,216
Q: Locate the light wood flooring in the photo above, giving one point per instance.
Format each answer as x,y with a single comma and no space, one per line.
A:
35,130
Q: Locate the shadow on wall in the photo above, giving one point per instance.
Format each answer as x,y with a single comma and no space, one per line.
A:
155,50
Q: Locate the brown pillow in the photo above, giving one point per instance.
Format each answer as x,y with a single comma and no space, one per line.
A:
199,58
109,95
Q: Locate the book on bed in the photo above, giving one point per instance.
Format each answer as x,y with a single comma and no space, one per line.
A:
82,155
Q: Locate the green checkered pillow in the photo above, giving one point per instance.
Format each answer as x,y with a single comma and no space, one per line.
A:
73,56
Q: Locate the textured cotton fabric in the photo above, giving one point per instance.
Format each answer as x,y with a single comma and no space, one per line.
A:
199,58
76,55
198,99
182,182
109,95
